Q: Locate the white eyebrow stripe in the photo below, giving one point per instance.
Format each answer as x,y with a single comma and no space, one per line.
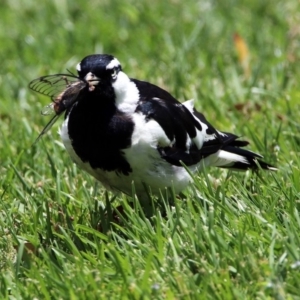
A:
114,63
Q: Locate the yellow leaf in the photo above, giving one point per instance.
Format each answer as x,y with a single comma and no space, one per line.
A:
243,53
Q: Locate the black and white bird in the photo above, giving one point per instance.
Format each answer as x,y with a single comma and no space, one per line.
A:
123,130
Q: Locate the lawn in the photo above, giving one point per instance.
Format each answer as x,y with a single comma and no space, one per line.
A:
233,235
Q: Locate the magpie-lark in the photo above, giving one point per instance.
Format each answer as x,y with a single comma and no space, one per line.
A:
123,130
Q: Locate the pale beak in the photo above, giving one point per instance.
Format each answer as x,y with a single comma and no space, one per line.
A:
91,79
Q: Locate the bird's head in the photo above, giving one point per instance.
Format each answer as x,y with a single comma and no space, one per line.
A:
99,70
105,77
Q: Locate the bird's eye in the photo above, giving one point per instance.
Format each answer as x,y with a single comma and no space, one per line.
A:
114,73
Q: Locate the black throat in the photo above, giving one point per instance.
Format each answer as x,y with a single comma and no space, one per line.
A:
99,131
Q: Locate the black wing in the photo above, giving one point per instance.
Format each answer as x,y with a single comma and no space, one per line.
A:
179,124
175,119
52,85
149,90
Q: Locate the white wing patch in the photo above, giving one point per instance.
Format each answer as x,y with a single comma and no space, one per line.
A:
201,136
149,133
189,104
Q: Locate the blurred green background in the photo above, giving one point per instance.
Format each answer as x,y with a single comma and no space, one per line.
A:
239,60
185,46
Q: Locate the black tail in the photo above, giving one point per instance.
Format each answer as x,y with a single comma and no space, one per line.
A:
248,159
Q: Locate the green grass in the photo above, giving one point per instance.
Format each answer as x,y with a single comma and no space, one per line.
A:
235,236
